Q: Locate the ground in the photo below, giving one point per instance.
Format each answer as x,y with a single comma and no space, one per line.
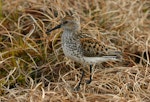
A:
33,67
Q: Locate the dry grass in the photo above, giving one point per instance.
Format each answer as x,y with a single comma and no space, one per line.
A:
33,67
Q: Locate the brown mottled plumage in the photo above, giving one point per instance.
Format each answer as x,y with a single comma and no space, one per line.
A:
83,48
94,48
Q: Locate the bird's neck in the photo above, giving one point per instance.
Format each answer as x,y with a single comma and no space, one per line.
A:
69,36
70,33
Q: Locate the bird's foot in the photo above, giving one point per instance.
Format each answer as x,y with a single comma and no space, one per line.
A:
88,81
77,88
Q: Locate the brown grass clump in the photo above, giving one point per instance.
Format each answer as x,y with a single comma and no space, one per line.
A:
34,69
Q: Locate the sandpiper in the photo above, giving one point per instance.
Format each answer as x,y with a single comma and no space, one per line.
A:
82,48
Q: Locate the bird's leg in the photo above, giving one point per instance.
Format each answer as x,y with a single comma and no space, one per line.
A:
78,86
91,70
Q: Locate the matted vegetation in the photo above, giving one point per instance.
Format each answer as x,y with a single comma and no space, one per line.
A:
34,69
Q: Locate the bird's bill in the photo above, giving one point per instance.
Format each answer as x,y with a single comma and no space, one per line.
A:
57,27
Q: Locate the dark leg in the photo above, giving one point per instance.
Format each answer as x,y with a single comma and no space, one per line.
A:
78,86
89,81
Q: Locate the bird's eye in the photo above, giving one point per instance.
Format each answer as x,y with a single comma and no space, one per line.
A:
65,22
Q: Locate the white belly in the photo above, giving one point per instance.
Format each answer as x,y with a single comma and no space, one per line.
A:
94,60
73,54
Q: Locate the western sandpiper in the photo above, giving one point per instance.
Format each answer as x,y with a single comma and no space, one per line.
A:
82,48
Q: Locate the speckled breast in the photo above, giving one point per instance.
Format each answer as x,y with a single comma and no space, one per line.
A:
71,47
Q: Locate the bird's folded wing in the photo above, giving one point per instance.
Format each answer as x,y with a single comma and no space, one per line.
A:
92,47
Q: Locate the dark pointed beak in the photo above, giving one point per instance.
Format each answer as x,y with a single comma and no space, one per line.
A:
57,27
